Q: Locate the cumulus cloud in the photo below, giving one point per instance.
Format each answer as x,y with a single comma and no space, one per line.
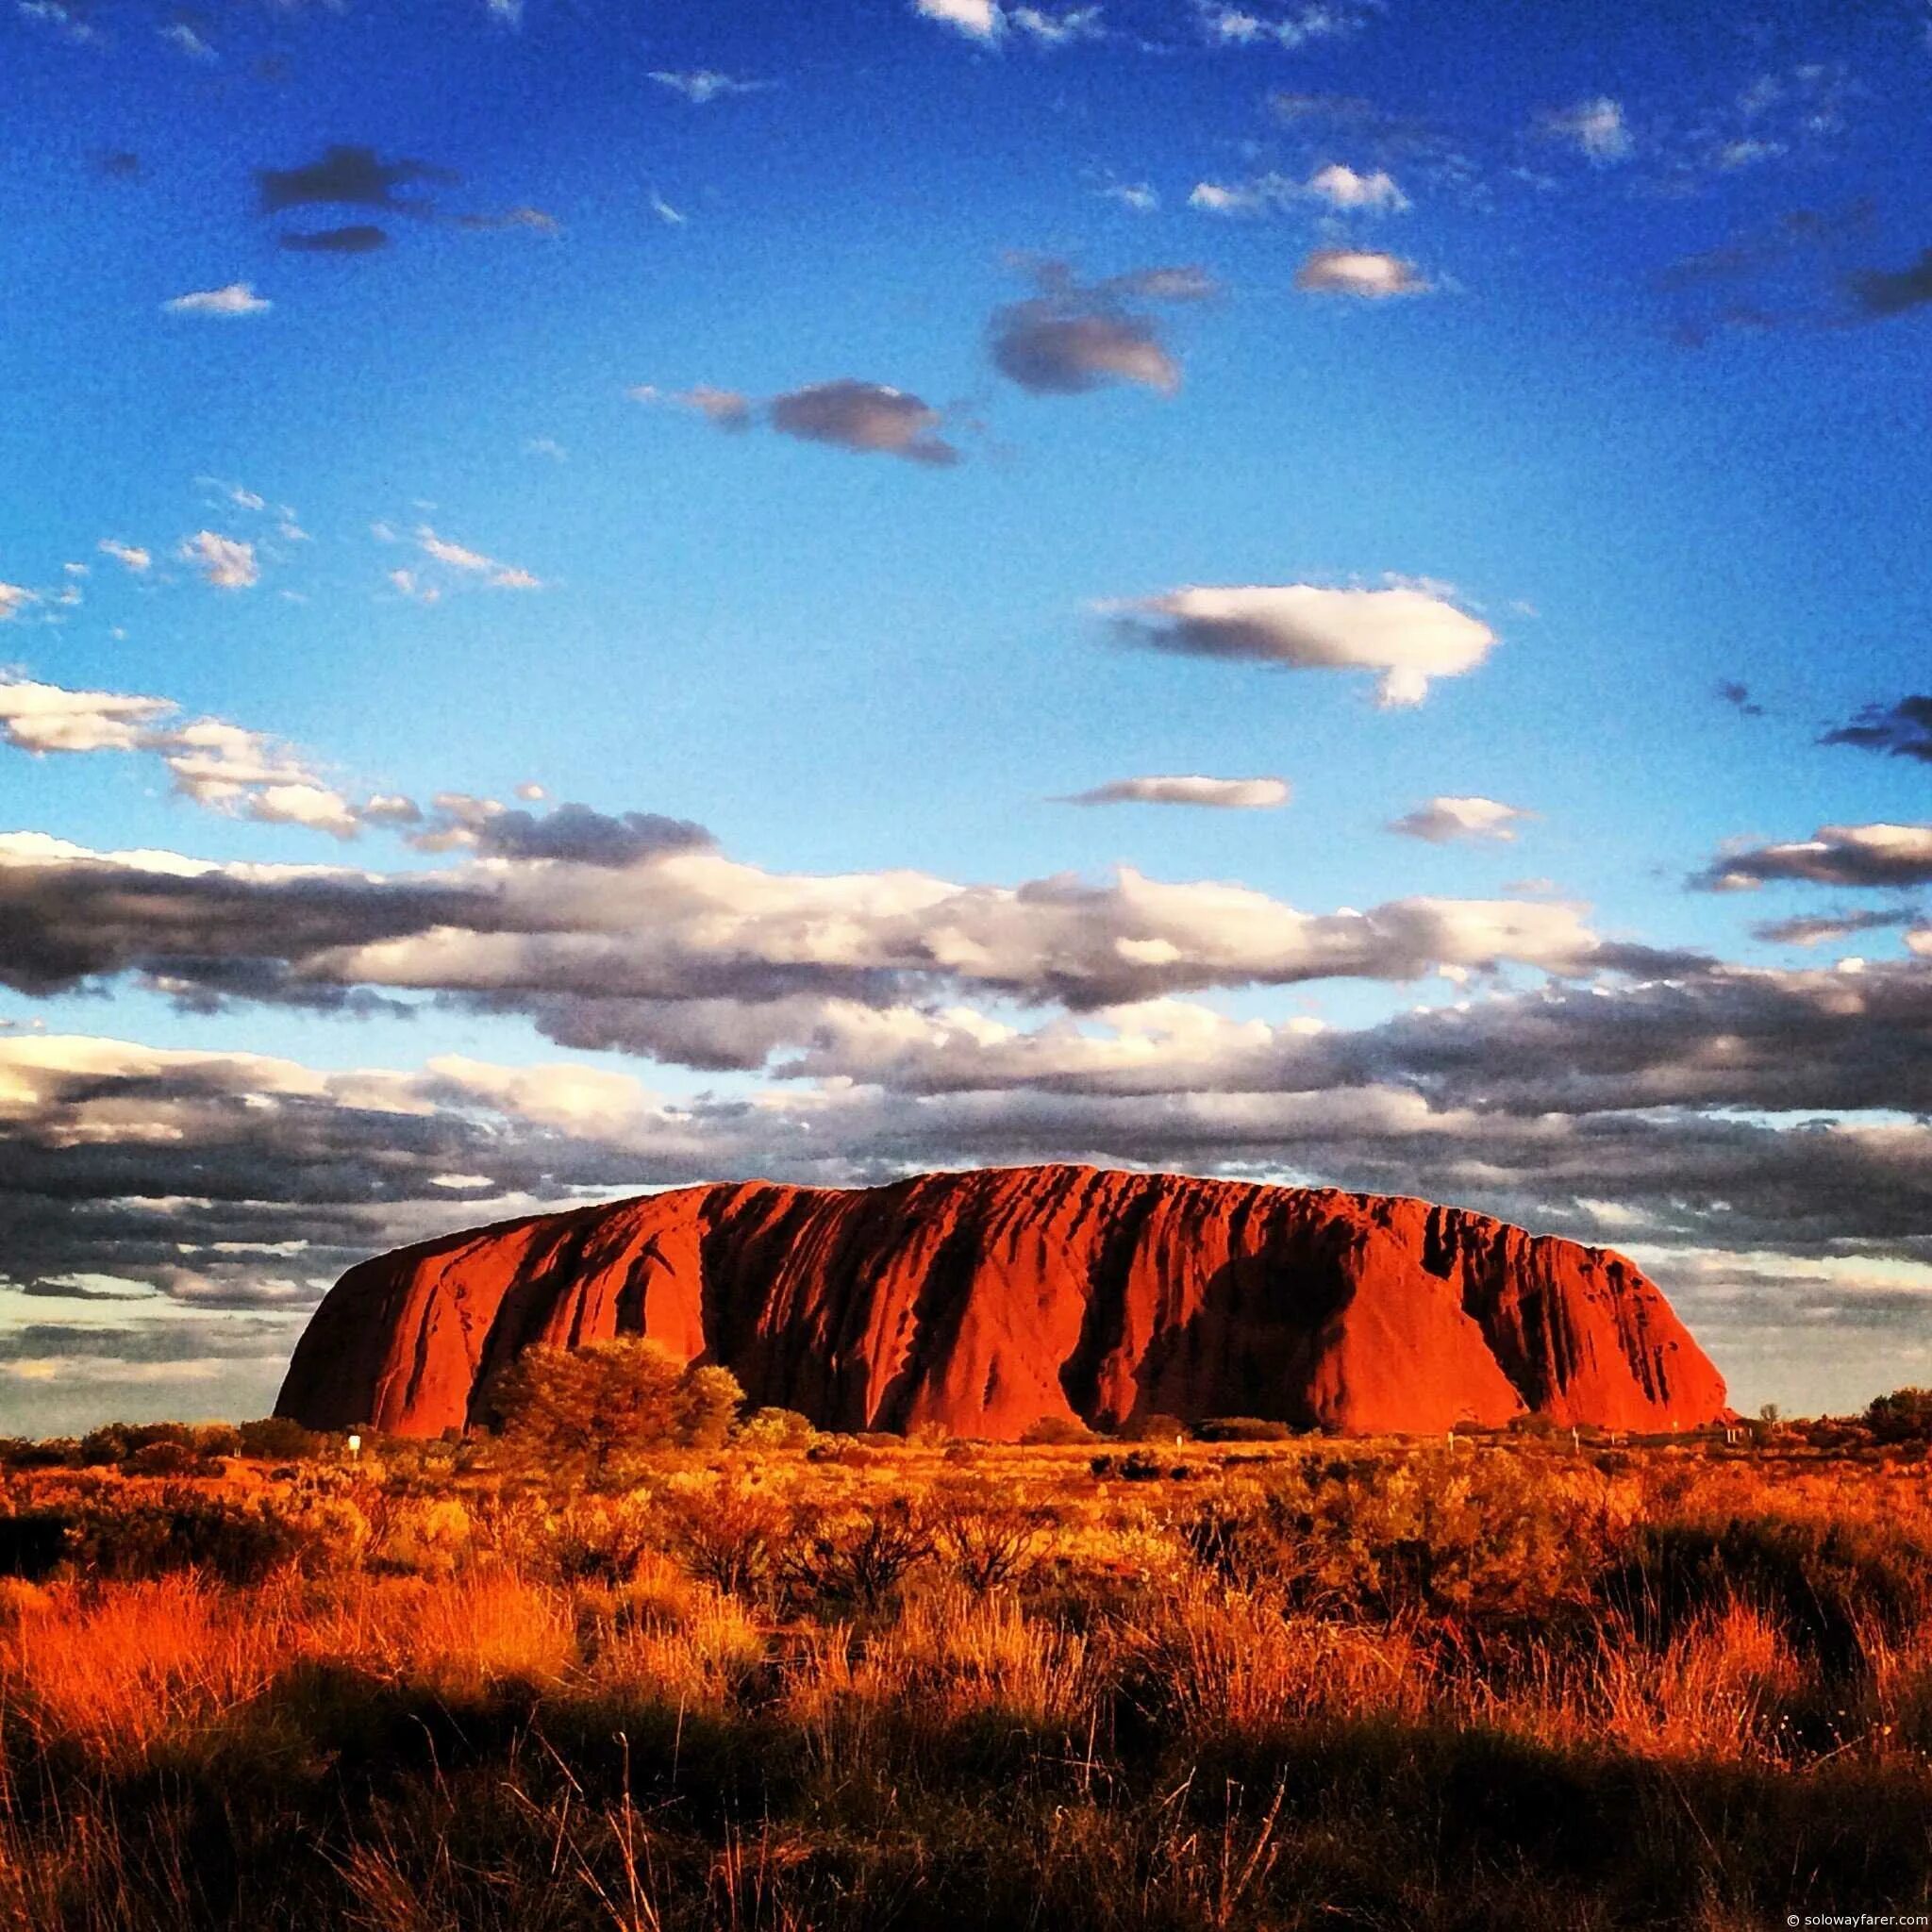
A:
1229,794
1595,128
601,941
1342,187
223,767
226,562
46,718
14,598
866,417
1874,855
1443,819
1904,730
1408,635
129,556
1072,337
982,20
989,21
235,298
1370,274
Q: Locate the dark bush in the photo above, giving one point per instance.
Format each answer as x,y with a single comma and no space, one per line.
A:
33,1544
1245,1428
1904,1416
1052,1430
1152,1428
275,1439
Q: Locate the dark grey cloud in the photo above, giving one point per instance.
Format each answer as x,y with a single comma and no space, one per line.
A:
228,1182
234,1339
1904,730
578,835
1739,697
65,920
1072,337
349,177
867,417
1892,291
361,237
1816,929
1874,855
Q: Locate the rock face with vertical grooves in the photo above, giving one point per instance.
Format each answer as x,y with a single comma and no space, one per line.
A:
984,1301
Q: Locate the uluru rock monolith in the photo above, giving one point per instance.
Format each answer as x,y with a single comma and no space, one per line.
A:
984,1301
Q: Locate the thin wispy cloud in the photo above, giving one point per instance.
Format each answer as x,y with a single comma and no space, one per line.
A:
702,85
1223,795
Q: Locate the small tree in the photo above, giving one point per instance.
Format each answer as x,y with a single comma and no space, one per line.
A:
708,1402
586,1411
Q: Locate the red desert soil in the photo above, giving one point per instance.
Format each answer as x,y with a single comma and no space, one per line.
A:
986,1299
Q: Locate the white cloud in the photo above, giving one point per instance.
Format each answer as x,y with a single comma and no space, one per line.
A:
45,718
1595,126
1446,818
1406,634
220,766
1369,272
1235,27
1334,186
1229,794
1057,30
130,555
237,298
1139,196
1342,187
14,598
980,19
460,557
701,85
226,562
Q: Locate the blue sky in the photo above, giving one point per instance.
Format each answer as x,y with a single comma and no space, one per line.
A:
811,426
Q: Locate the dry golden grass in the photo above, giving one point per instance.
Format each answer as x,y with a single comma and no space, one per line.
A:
1375,1685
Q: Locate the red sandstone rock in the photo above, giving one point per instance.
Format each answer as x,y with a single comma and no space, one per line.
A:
986,1300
